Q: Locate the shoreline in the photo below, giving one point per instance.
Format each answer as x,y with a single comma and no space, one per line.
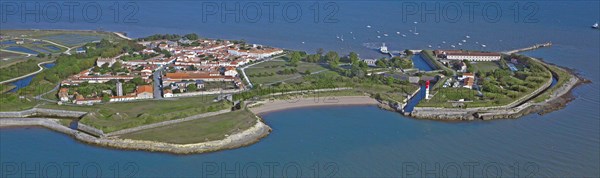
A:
237,140
264,107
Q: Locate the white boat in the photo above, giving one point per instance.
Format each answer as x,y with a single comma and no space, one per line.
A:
385,34
416,33
483,45
467,36
429,46
383,49
398,33
378,36
464,41
368,26
452,46
337,36
595,25
403,35
460,44
444,42
378,31
303,42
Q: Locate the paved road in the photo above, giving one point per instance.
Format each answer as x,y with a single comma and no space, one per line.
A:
157,82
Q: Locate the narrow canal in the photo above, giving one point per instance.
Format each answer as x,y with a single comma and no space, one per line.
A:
21,83
420,63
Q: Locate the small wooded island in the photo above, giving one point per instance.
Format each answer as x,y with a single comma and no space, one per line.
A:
186,94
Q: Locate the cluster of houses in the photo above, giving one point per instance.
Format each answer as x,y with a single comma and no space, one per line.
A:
188,63
467,80
141,92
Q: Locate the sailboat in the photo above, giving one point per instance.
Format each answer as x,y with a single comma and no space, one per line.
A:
595,25
416,33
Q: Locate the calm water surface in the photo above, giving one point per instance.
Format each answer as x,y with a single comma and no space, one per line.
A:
365,141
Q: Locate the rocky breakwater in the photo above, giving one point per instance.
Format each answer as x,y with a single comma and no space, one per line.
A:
240,139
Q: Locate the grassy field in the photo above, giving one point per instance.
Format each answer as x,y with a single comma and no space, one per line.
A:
199,130
485,66
111,117
272,67
452,94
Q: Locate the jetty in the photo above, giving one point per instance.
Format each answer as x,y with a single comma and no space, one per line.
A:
536,46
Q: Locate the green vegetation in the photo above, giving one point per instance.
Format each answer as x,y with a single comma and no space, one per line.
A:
274,71
199,130
19,69
111,117
483,67
396,62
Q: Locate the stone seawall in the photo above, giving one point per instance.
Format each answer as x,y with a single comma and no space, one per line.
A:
42,113
91,130
244,138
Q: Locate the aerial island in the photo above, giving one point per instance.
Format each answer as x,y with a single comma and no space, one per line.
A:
187,94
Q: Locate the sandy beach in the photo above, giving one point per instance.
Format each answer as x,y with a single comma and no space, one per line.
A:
276,105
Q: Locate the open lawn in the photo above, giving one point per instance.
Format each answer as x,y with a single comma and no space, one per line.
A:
116,116
444,95
269,72
485,66
199,130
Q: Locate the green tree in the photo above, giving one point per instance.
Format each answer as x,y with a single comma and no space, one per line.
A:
138,81
191,36
380,63
105,98
295,58
191,88
353,57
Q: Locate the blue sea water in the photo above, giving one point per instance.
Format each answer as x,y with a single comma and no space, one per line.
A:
364,141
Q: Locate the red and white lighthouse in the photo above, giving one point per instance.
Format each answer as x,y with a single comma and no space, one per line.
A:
427,90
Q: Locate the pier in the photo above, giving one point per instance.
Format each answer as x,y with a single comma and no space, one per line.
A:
541,45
